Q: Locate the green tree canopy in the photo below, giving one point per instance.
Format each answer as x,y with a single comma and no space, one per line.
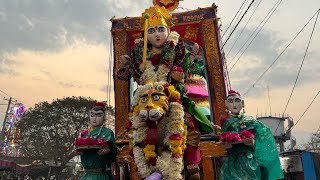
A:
48,130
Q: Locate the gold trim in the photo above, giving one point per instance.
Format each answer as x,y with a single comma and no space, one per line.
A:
121,87
215,75
166,2
179,13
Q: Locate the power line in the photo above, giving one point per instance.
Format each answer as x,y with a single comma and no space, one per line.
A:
264,21
252,86
8,95
238,23
4,93
254,11
305,54
234,17
302,116
305,111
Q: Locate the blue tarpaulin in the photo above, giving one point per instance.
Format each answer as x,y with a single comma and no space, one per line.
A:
308,166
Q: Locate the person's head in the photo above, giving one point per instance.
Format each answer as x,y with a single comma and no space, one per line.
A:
157,21
234,102
97,115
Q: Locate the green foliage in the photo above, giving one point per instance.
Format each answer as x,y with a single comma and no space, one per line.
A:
48,130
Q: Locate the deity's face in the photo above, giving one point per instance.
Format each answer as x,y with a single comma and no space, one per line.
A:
158,35
234,103
153,104
96,118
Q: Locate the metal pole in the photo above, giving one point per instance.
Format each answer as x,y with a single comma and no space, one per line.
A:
4,122
281,146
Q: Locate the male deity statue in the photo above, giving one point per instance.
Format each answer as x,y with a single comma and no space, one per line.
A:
162,57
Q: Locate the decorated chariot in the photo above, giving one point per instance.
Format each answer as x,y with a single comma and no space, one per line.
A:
170,90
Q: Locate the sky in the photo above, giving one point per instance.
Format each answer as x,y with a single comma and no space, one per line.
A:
54,49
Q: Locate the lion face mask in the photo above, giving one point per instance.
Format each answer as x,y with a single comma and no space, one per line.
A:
153,105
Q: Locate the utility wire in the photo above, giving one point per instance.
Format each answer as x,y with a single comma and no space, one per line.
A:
301,118
295,83
254,11
264,21
228,78
304,57
8,96
253,85
304,111
110,72
234,17
4,93
238,23
237,18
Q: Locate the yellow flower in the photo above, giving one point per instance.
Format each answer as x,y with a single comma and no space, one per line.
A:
173,93
149,152
175,143
177,126
176,150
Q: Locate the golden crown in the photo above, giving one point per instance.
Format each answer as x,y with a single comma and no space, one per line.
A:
156,16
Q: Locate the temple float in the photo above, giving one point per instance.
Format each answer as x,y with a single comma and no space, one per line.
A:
164,116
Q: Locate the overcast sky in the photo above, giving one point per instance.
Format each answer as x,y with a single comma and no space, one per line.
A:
53,49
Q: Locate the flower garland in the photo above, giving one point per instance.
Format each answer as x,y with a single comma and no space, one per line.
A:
170,51
169,163
89,141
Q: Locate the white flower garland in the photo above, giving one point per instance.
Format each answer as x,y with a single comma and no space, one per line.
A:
174,37
162,72
169,167
160,75
141,162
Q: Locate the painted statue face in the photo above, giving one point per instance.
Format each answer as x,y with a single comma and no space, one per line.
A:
153,105
96,118
158,35
234,103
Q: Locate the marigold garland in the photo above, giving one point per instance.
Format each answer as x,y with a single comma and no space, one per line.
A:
175,128
149,152
167,57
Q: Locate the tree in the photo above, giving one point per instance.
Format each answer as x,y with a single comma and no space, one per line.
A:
314,144
48,130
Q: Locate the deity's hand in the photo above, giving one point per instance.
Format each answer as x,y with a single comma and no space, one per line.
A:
178,76
194,52
249,142
217,128
227,145
103,151
124,59
193,138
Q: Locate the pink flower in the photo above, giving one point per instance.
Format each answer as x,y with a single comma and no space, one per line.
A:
246,134
102,142
230,137
179,69
79,142
85,132
175,137
92,141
